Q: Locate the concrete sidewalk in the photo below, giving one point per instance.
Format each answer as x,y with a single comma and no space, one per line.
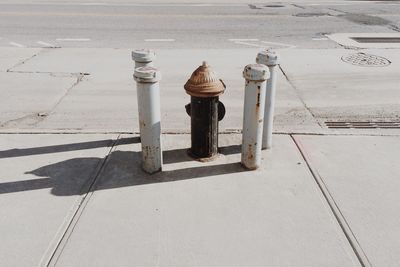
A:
72,192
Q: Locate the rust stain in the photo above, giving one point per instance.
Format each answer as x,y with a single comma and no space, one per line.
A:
250,155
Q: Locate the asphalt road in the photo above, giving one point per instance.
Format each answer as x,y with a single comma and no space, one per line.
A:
127,24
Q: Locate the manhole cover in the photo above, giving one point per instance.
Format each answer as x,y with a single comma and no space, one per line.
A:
366,60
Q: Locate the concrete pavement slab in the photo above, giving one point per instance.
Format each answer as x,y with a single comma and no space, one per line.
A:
28,98
106,99
9,57
206,214
37,203
362,175
334,89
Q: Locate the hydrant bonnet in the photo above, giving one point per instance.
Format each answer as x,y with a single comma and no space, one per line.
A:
204,83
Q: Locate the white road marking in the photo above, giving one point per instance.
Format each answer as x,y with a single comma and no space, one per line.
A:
289,46
320,39
257,43
242,40
45,44
16,44
121,4
249,44
159,40
72,39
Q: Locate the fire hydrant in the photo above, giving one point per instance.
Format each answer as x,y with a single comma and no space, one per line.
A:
205,111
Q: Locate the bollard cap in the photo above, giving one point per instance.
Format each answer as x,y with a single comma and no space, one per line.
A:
143,55
256,72
147,75
204,83
268,57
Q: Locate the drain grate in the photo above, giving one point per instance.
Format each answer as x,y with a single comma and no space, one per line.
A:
377,40
363,124
366,60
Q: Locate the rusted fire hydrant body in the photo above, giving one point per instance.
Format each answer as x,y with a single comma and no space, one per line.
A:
205,110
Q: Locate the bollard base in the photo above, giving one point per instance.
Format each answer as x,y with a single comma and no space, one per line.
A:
250,168
150,172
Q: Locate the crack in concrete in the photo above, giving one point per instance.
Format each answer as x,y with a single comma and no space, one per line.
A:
299,96
35,117
26,60
79,78
39,116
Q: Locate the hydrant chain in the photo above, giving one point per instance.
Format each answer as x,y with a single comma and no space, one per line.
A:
253,114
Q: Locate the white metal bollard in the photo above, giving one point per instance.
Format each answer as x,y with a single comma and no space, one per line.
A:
143,57
254,100
148,92
271,60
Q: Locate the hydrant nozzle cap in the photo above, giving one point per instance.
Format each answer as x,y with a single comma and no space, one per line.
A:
256,72
268,57
143,55
204,83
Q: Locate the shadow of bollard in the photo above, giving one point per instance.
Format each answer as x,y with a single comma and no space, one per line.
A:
122,169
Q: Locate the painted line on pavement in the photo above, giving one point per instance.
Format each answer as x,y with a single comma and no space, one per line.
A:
16,44
159,40
289,46
320,39
45,44
249,44
242,40
72,39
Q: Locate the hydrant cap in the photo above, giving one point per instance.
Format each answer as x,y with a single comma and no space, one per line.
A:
204,83
256,72
147,75
268,57
143,55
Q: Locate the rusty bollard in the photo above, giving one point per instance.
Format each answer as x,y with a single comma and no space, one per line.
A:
271,59
205,110
148,92
253,115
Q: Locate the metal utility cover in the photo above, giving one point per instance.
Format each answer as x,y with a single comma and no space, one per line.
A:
366,60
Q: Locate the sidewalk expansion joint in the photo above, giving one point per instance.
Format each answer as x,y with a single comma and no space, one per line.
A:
299,96
351,238
83,201
184,132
